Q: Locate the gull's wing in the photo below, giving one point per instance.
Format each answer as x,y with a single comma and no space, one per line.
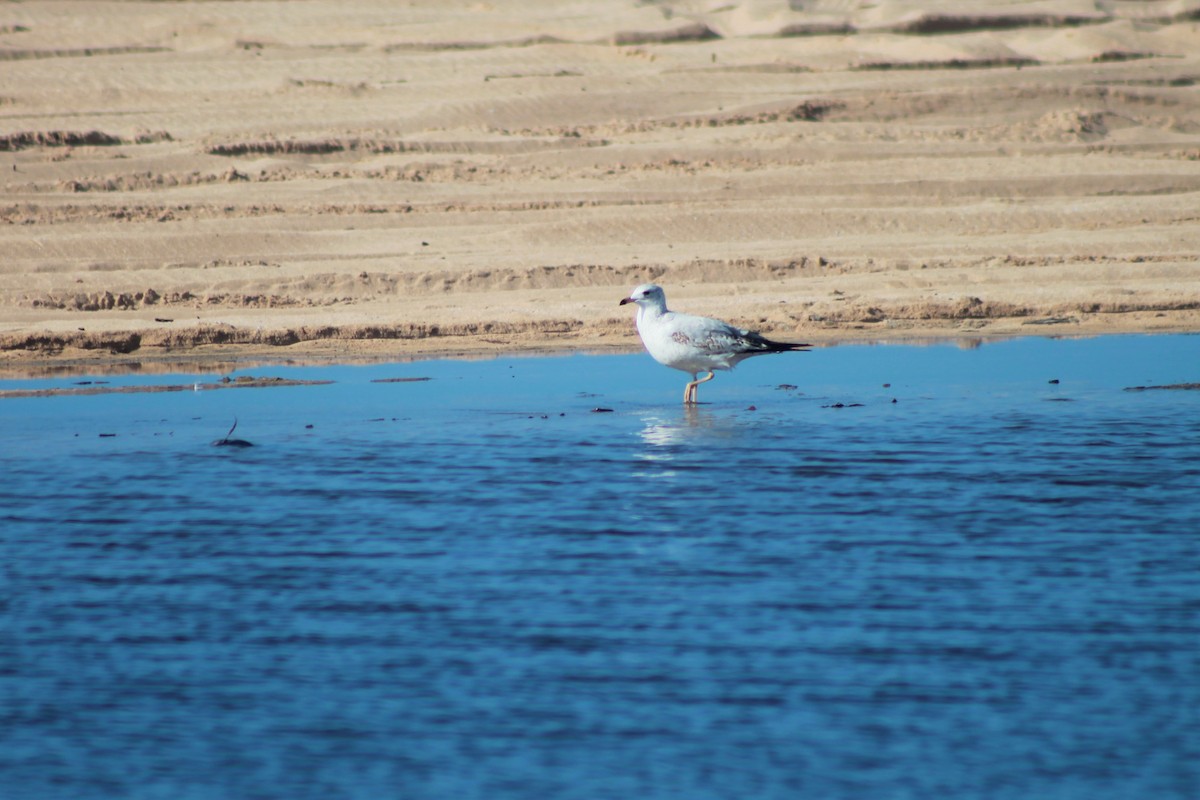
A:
714,337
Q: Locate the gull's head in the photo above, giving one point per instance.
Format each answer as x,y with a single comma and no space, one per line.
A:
647,295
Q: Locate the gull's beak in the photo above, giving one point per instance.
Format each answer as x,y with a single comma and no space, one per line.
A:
625,300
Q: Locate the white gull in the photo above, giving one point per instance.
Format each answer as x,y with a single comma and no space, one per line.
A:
695,344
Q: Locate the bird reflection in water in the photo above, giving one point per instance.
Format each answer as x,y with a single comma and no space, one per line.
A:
664,437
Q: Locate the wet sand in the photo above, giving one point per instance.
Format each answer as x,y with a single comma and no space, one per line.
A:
210,181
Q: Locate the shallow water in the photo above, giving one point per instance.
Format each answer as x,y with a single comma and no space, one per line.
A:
476,587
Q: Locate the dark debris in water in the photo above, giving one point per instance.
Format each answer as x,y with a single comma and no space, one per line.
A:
601,410
1182,387
228,442
400,380
844,405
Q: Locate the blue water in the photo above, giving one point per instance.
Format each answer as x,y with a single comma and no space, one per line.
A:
476,587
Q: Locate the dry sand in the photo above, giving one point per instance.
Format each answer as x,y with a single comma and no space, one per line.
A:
371,179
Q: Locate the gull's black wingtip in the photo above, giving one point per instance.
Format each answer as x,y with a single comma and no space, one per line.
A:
757,343
785,347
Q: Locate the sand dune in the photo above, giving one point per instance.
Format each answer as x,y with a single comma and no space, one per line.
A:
200,178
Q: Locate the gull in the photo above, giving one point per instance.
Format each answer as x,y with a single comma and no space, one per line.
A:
695,344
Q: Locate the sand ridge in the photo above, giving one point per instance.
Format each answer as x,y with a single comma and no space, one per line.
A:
316,178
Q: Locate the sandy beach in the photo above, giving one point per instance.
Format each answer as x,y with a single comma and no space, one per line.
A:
331,180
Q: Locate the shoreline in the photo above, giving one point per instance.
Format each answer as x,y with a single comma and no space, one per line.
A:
338,346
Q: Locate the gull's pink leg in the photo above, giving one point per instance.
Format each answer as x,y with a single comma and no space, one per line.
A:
689,393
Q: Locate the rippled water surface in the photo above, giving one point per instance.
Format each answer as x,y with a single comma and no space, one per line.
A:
475,586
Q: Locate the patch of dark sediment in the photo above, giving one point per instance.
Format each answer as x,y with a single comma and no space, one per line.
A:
963,309
529,41
116,342
32,54
804,111
689,32
1126,307
137,181
28,139
125,342
1008,102
950,63
57,214
130,301
975,308
1114,56
935,23
797,30
456,171
685,33
67,213
320,147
